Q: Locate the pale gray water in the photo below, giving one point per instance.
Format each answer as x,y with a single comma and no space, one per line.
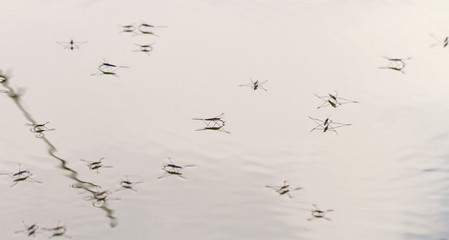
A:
385,176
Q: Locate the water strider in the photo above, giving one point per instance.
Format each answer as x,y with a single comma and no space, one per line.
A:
255,84
285,189
71,44
327,124
333,100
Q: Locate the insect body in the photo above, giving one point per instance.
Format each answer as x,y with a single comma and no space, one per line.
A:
71,44
127,184
255,85
148,29
107,69
58,231
99,198
333,100
20,176
397,64
215,123
326,125
3,78
147,48
31,230
39,129
95,165
285,189
173,169
317,213
127,28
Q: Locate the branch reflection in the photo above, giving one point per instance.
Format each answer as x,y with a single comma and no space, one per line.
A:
72,174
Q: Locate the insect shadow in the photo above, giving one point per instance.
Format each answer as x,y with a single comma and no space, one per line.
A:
146,48
30,230
127,184
396,64
71,44
95,165
171,169
255,84
440,42
39,128
58,231
327,124
285,189
21,176
317,213
215,123
333,100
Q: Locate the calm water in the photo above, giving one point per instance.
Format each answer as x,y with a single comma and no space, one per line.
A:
385,176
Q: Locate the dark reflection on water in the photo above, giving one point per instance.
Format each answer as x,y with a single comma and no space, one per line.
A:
72,174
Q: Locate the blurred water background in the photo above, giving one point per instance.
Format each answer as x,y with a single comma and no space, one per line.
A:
385,176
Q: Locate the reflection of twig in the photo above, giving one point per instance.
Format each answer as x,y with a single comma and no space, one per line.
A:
72,174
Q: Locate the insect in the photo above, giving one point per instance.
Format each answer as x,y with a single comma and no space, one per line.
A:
441,42
173,169
39,128
3,78
285,189
20,176
396,64
127,28
215,123
95,165
326,125
147,48
255,84
145,28
58,231
71,44
106,72
333,100
107,69
99,198
317,213
31,230
127,184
